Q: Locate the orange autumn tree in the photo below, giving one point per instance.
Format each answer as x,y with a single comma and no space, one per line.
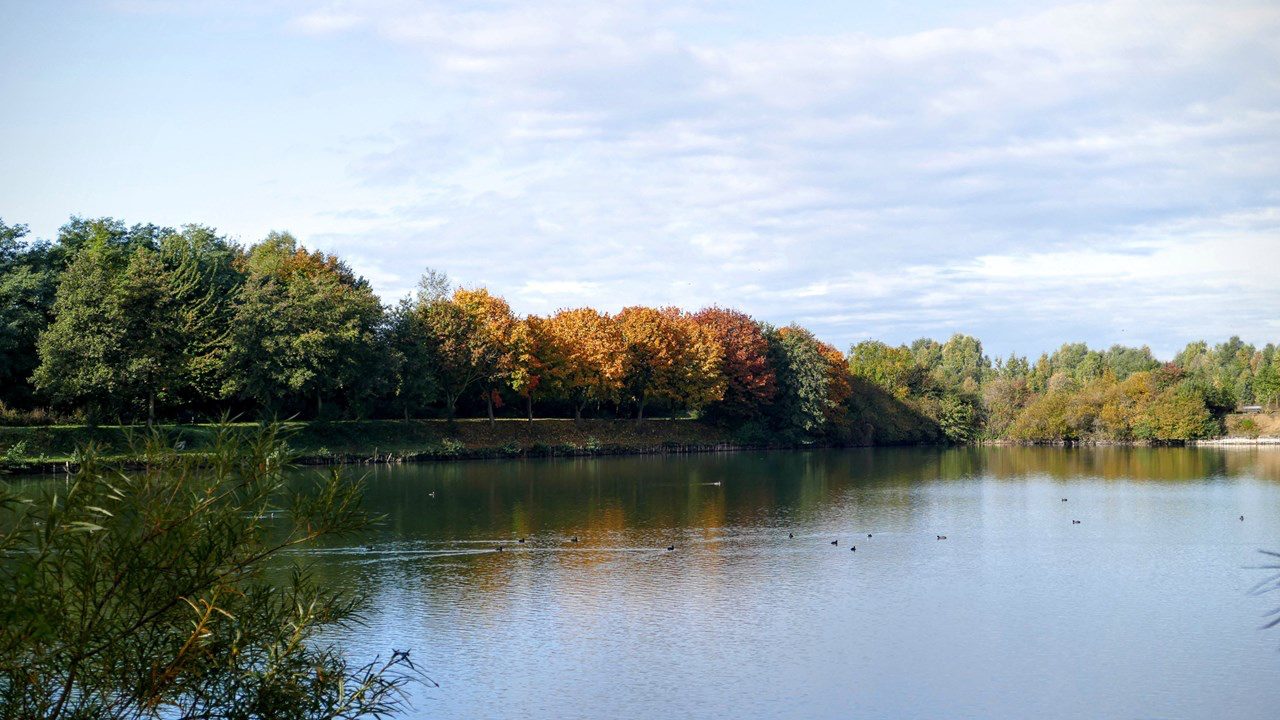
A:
839,385
750,383
492,345
668,356
534,354
582,359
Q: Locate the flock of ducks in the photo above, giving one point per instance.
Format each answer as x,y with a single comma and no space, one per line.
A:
852,548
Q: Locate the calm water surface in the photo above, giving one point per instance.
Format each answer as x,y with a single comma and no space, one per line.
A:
1140,611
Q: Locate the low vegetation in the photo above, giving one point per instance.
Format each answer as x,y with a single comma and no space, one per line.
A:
169,591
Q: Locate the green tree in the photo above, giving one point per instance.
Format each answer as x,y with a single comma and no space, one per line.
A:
206,276
962,359
1125,361
122,334
305,328
413,375
892,369
110,233
450,330
801,404
959,416
143,594
1267,383
927,352
80,349
1013,368
28,286
152,327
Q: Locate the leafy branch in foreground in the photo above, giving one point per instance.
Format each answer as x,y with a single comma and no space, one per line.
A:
144,593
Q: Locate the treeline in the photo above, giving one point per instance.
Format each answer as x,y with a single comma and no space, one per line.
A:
112,322
1075,393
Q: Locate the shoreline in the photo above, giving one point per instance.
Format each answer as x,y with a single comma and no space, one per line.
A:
60,467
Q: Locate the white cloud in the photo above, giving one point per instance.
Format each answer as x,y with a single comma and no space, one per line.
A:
1061,173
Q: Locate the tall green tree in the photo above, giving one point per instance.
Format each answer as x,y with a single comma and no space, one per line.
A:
962,360
1125,361
414,384
450,330
1267,384
153,326
28,287
206,276
305,328
123,331
802,402
80,350
892,369
112,233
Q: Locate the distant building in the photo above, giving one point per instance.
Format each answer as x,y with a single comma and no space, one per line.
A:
1251,409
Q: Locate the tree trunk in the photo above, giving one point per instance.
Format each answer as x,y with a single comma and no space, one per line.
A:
151,409
640,410
577,410
488,401
451,401
528,403
319,404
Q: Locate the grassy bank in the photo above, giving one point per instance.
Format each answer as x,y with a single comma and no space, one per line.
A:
36,448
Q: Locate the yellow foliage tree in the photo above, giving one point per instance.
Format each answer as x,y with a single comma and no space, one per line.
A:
582,357
492,345
533,354
839,385
670,356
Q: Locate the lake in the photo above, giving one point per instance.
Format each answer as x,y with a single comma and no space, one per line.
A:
1139,611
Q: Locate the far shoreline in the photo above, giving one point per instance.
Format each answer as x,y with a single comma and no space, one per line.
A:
53,449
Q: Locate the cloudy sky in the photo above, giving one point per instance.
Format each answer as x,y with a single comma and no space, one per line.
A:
1027,172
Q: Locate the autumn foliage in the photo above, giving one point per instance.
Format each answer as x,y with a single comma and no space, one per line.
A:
749,381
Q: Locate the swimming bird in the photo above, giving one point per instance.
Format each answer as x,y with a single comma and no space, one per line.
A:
942,537
368,548
521,540
1075,522
835,542
499,548
431,494
790,535
1064,499
868,534
853,549
1241,518
573,539
671,547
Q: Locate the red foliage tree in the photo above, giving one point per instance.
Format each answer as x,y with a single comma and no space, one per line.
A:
749,381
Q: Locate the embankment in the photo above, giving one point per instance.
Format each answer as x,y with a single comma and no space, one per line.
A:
45,449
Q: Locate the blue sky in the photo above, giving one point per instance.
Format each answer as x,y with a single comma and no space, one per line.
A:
1027,172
